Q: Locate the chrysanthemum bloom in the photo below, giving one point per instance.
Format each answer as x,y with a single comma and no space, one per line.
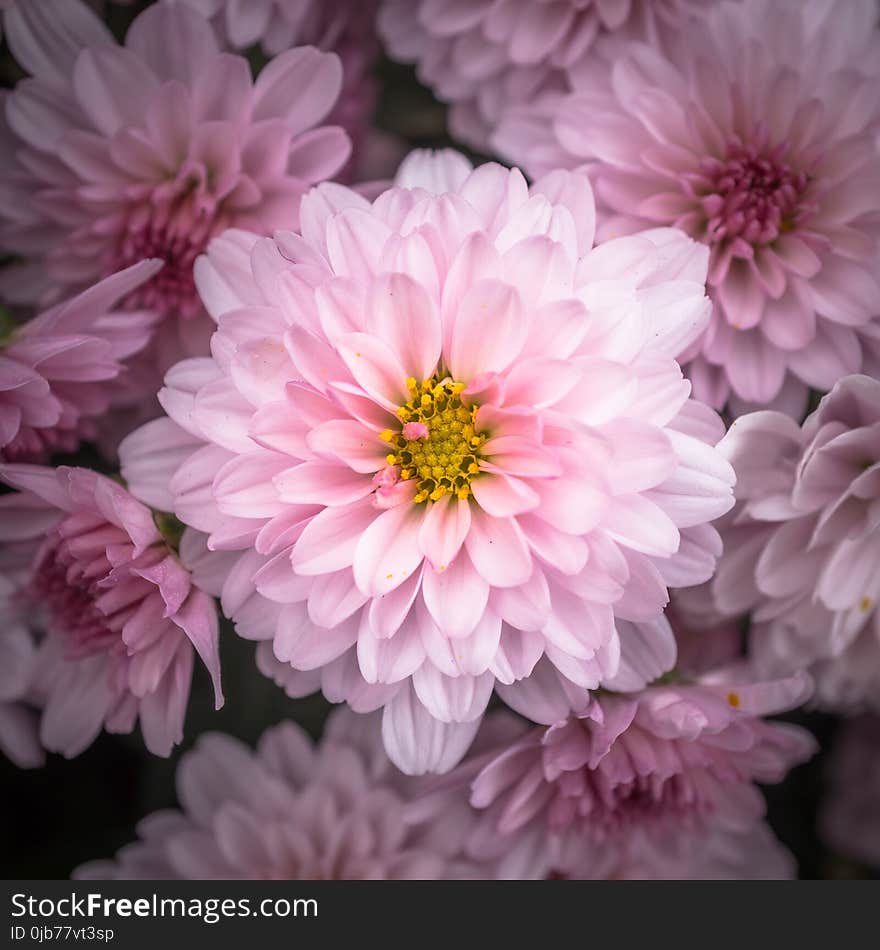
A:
296,811
850,818
658,784
338,26
802,550
58,371
446,438
753,128
116,153
121,615
484,56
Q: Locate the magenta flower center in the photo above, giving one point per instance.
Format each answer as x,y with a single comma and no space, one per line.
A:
63,588
750,194
438,444
176,230
616,796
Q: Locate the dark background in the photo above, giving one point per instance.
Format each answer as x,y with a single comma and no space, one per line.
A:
68,812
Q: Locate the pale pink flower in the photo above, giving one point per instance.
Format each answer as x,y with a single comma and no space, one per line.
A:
484,56
60,371
293,810
850,817
753,128
86,562
565,478
658,784
115,153
802,548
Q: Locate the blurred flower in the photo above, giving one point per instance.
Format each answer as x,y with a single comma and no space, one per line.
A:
441,438
60,372
295,811
658,784
754,129
850,818
116,153
802,548
339,26
484,56
87,563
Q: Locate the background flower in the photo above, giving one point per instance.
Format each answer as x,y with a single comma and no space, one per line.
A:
754,129
485,56
802,549
59,372
295,811
658,784
116,153
338,26
120,613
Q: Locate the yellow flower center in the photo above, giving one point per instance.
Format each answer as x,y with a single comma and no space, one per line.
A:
438,443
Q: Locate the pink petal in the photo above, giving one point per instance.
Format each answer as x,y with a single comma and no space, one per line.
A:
502,495
375,366
416,742
498,550
388,551
329,540
321,483
641,525
317,79
402,315
489,330
456,597
443,530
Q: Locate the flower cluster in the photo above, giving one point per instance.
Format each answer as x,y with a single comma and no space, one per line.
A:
556,466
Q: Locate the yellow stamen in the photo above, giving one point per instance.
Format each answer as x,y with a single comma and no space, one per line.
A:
733,699
447,457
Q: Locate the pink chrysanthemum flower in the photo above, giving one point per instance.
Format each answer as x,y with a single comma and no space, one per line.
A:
441,438
116,153
296,811
121,616
802,548
58,372
753,128
484,56
850,817
658,784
